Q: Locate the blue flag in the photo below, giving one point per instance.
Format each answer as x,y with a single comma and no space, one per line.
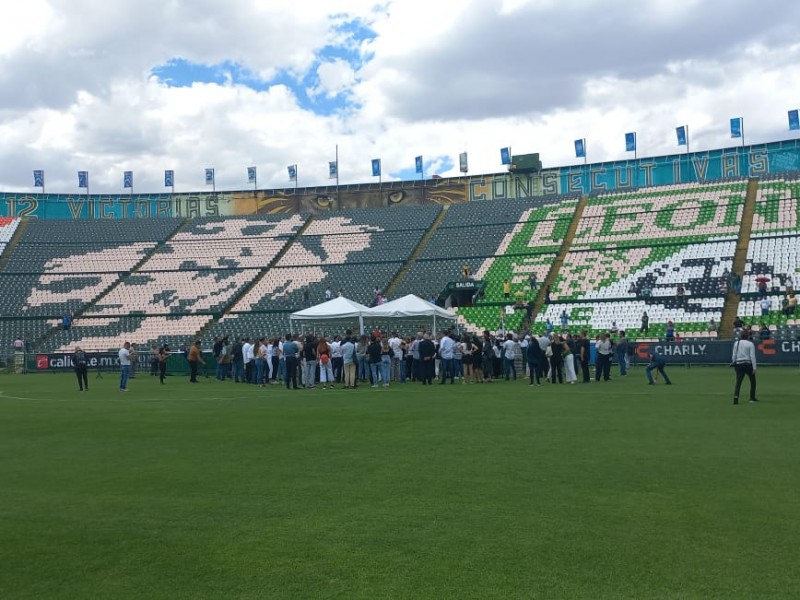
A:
38,179
83,179
169,178
333,169
630,142
209,176
251,174
580,148
292,172
418,164
505,156
794,120
736,127
376,167
127,179
681,133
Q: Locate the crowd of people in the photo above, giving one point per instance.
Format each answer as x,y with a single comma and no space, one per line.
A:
382,359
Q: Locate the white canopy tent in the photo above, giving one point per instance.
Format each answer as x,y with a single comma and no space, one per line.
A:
409,307
338,309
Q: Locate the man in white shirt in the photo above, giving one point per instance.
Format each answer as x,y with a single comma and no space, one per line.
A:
602,364
337,363
523,351
766,304
247,358
395,344
744,363
509,354
447,354
124,366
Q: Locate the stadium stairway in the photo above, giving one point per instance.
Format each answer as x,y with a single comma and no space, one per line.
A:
9,249
423,242
241,293
731,307
558,262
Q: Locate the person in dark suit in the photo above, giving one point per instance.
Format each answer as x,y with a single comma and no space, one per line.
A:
427,358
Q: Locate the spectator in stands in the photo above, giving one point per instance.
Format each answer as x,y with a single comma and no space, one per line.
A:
603,349
736,283
195,358
328,293
791,305
614,327
548,327
547,298
632,289
712,326
80,362
532,281
163,356
564,319
762,287
19,345
466,271
789,283
743,361
680,292
645,323
306,296
764,333
657,363
766,304
670,331
738,326
506,289
124,366
66,322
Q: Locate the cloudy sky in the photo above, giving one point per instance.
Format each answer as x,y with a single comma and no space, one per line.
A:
149,85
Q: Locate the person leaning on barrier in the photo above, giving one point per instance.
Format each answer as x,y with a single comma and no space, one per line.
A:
743,361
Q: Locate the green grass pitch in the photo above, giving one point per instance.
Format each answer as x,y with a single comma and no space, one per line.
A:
610,490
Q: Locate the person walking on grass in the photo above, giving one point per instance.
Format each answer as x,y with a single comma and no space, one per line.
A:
81,364
163,356
743,361
124,366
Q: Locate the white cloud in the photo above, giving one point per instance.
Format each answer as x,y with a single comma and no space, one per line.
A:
76,90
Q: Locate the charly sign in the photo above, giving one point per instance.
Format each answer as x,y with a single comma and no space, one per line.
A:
768,352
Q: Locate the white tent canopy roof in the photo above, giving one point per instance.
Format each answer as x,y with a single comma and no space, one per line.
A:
338,308
408,306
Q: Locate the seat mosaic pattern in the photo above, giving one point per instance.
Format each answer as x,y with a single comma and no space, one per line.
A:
777,207
8,225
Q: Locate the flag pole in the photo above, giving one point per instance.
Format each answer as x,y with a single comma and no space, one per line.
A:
687,139
742,122
295,178
338,193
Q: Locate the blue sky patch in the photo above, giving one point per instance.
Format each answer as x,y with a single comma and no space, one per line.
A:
179,72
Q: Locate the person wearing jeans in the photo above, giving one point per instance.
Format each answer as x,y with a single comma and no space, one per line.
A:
124,366
621,351
447,354
744,363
